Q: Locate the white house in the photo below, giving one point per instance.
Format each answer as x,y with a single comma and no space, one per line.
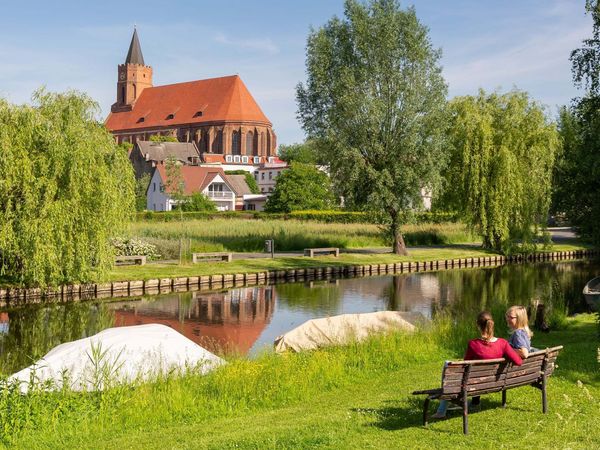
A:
211,181
267,173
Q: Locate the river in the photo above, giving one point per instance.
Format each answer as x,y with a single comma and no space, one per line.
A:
247,320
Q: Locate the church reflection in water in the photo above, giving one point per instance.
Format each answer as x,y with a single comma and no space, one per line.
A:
222,322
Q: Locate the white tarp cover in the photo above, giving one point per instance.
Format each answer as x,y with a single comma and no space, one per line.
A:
117,355
343,329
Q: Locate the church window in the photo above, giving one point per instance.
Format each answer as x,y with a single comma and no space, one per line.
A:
217,145
134,92
235,143
262,142
122,94
249,143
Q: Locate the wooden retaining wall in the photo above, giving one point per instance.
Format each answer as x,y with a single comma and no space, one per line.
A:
11,297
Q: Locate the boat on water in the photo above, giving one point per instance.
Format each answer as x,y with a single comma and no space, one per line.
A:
591,292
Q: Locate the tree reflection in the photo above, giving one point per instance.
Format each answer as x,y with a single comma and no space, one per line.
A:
32,332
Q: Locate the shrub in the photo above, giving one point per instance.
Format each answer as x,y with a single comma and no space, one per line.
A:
134,246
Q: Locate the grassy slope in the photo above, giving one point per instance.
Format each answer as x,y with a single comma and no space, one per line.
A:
376,410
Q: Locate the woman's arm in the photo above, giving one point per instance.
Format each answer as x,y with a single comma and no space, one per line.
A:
523,352
511,354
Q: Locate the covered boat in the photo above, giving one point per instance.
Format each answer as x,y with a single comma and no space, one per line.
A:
591,292
345,328
116,355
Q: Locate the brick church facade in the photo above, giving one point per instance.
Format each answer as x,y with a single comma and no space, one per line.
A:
219,114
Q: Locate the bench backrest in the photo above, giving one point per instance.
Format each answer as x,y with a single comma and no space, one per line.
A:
493,375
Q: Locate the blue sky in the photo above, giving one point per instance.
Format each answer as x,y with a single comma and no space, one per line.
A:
78,44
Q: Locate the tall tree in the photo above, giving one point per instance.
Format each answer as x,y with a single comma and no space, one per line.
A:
301,187
579,170
501,166
374,101
305,152
65,189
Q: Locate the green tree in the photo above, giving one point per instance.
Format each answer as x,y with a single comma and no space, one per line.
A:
374,102
304,153
141,187
503,149
161,138
65,189
301,187
196,202
578,174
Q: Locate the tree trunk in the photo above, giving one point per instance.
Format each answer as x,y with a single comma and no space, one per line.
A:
399,245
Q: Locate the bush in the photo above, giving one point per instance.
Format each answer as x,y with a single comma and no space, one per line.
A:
134,246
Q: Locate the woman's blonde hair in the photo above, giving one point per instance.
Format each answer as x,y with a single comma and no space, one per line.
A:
520,312
485,323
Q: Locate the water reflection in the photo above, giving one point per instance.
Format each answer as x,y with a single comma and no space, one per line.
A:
222,322
245,320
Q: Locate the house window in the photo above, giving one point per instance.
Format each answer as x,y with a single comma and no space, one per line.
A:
153,187
251,207
256,176
270,175
262,176
245,159
257,160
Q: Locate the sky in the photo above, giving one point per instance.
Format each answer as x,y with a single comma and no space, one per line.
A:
486,44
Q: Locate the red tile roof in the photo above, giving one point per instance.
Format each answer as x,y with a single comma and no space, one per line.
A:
218,99
195,178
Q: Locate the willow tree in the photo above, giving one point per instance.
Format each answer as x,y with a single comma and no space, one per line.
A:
501,166
65,189
374,102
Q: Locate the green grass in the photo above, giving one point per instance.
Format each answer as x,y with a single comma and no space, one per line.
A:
353,397
243,235
157,270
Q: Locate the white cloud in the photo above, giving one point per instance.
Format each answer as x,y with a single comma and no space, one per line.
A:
263,45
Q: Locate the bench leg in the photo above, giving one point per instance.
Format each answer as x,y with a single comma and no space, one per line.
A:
465,415
544,398
426,411
504,399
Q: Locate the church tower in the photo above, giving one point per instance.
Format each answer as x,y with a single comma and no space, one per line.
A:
134,77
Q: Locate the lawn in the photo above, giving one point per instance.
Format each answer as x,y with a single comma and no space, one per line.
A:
353,397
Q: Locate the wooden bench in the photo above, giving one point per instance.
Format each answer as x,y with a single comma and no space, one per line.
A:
463,379
130,259
217,256
310,252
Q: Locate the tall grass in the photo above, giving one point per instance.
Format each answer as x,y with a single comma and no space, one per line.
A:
244,235
242,386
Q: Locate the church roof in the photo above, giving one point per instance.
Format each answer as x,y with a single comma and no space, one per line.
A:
134,55
194,102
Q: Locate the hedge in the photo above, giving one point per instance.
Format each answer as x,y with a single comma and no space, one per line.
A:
317,216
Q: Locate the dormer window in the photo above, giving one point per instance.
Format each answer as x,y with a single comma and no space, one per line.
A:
141,119
170,116
198,114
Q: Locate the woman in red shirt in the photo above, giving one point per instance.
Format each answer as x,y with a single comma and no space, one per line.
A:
485,347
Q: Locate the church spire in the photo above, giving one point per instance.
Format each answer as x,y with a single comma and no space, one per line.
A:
134,55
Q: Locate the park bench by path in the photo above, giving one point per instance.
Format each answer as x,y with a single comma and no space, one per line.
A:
311,252
130,259
463,379
217,256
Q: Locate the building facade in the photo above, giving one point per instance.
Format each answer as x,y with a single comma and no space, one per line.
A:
219,115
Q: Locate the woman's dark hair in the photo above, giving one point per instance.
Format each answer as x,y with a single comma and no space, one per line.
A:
485,323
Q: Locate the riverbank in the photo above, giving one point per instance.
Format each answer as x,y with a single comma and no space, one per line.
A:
158,278
353,397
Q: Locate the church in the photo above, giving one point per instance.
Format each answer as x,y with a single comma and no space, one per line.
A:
218,115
